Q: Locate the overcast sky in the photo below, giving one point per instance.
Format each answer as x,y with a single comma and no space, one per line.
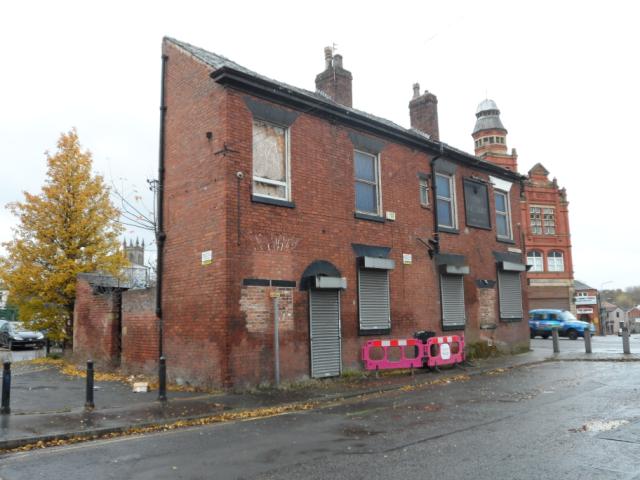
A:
564,75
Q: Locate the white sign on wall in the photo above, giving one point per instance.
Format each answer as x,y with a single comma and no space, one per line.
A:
584,310
588,300
207,257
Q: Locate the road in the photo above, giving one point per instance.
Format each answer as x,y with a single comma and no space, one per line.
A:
569,420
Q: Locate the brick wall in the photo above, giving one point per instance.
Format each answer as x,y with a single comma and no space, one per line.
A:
96,333
220,330
139,331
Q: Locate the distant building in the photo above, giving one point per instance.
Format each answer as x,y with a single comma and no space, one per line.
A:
614,318
136,274
544,213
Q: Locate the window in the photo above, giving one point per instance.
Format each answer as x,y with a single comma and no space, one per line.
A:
543,220
503,215
476,204
534,258
446,201
510,292
367,183
536,220
555,262
452,297
270,161
373,300
424,191
549,221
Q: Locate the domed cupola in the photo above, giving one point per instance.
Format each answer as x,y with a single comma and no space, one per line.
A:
490,136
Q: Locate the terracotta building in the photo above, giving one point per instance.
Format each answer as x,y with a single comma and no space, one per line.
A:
349,226
544,212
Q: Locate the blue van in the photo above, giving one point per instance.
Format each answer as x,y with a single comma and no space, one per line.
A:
542,320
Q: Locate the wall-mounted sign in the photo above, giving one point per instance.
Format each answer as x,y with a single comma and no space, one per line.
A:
207,257
407,259
588,300
582,310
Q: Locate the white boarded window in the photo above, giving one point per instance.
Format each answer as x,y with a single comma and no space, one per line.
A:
270,161
555,261
534,258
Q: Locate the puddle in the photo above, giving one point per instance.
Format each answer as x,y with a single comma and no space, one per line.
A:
600,426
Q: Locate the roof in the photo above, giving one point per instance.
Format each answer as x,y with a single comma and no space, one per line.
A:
228,72
488,117
578,285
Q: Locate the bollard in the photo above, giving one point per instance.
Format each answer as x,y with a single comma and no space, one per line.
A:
6,388
162,380
625,340
587,340
556,343
88,404
47,347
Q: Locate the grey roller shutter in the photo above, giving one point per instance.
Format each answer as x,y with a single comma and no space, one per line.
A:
452,294
324,316
510,295
373,299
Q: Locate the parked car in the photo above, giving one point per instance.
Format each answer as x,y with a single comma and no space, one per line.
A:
543,320
14,334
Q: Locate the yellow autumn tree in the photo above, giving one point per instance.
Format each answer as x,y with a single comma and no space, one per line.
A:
70,227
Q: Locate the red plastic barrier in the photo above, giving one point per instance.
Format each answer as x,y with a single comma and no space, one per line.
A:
385,363
447,350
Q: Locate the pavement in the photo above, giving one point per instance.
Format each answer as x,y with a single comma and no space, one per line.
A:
48,406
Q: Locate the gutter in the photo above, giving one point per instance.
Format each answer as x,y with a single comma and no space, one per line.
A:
160,234
269,90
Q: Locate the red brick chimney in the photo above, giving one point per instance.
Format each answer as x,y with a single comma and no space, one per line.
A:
335,81
423,111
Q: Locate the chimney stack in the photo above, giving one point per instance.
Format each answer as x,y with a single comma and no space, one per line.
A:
423,111
335,81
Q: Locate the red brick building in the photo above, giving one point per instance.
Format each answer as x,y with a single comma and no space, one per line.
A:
544,211
354,226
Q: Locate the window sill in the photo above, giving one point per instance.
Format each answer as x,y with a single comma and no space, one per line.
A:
489,326
366,216
272,201
448,230
506,240
450,328
426,207
479,227
374,331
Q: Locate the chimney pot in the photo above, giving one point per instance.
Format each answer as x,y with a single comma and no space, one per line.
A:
328,55
416,90
337,61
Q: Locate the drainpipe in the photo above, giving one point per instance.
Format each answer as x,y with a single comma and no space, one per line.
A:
436,229
160,235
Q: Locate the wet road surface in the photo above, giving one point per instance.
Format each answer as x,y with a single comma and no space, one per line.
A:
569,420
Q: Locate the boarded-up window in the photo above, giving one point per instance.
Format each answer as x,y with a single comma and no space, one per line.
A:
452,296
373,300
270,161
510,295
476,204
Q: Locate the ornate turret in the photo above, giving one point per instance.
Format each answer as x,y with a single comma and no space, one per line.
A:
490,137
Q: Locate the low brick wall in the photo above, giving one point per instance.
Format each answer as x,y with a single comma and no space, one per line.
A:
96,322
139,331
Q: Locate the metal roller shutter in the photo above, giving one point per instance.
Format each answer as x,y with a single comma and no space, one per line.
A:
324,316
452,294
510,295
373,299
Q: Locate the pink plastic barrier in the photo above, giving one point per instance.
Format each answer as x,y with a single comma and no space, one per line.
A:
411,354
444,350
